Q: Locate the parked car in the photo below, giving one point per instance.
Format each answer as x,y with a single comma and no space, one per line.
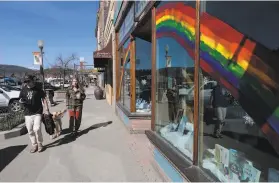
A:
206,90
9,98
60,84
234,110
48,86
11,82
11,87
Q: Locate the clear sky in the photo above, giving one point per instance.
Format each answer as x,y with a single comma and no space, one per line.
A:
179,56
65,27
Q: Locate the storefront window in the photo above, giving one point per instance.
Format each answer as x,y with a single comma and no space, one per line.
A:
240,91
125,74
143,76
175,70
126,85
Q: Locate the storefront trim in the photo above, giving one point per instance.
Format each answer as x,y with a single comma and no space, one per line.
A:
137,22
127,24
153,69
197,86
122,14
134,115
140,14
122,115
135,122
126,37
167,168
133,75
139,7
118,6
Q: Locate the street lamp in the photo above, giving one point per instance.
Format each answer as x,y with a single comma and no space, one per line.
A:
168,63
41,46
167,49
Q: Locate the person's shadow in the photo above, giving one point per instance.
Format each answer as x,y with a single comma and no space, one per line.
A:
8,154
69,138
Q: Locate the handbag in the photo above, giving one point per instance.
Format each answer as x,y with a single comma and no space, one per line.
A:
49,123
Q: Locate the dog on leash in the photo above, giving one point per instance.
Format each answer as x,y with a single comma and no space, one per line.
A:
57,118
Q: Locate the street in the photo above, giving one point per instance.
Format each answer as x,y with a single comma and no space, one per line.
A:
104,151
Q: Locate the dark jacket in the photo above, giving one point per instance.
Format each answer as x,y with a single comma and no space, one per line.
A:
72,99
219,97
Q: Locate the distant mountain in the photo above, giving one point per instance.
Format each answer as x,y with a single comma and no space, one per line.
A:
18,71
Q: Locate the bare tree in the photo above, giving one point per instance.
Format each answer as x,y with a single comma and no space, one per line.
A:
64,63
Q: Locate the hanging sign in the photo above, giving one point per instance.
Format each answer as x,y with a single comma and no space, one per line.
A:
37,58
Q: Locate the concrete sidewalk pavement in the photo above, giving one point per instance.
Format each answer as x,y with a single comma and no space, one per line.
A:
103,152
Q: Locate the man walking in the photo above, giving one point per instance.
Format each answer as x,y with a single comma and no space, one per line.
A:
220,103
32,98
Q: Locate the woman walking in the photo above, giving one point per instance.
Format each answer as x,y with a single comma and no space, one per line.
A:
74,100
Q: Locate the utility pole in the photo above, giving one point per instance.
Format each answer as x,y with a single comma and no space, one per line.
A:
41,46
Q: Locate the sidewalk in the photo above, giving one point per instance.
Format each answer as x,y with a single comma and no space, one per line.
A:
104,152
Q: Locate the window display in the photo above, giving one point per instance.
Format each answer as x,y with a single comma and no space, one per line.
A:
143,76
126,85
239,141
125,75
175,70
239,86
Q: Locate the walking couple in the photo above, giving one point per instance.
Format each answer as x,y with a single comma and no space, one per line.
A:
33,98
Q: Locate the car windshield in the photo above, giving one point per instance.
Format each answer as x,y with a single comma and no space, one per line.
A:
207,86
10,87
11,83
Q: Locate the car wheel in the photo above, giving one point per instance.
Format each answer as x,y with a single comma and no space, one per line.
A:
15,106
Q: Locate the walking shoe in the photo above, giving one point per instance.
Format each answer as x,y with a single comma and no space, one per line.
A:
217,135
53,136
74,134
33,149
40,148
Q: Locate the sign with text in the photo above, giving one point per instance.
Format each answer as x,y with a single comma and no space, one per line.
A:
102,55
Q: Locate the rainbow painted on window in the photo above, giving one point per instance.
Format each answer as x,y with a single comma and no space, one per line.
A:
243,66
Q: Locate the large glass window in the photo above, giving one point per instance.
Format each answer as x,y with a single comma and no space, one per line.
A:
125,75
175,70
240,91
143,76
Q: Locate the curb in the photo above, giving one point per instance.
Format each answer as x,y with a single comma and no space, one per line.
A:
15,132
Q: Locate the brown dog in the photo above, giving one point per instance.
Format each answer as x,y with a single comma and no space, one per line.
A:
57,118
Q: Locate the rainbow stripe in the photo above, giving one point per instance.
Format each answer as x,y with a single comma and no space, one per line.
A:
226,55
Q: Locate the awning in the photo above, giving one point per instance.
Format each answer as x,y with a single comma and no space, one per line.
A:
102,57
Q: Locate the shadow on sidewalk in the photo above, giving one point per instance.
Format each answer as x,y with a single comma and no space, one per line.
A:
8,154
69,138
